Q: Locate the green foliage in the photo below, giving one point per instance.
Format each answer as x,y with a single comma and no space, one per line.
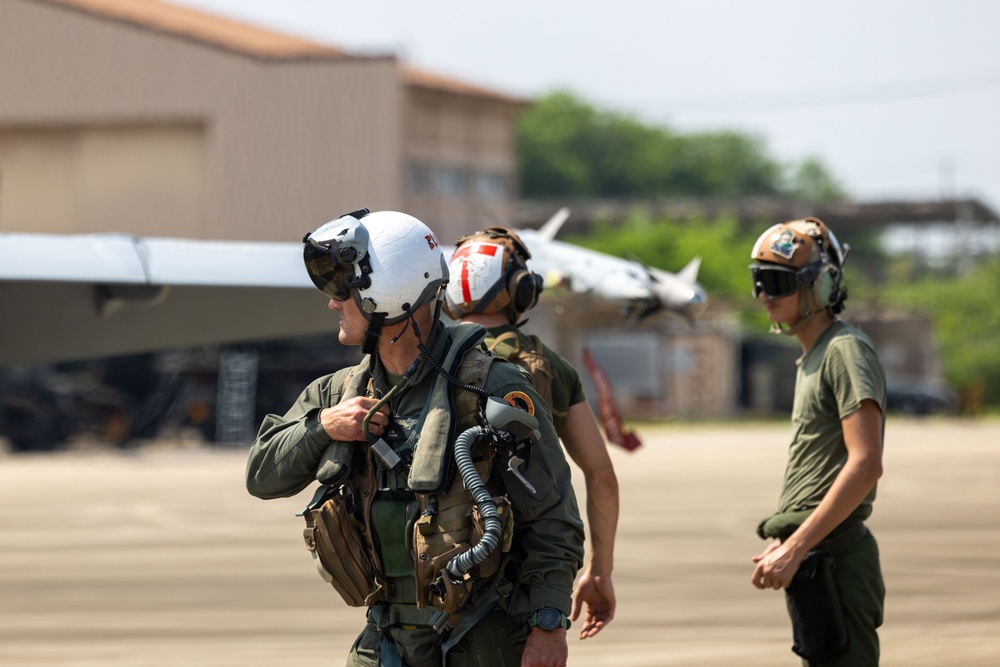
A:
964,309
568,148
966,315
811,181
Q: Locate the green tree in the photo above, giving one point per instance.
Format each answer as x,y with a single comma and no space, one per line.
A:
811,181
568,148
966,318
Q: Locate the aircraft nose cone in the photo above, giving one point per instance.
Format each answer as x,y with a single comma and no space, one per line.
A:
696,300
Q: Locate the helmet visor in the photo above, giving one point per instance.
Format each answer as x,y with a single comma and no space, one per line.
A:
329,274
773,281
333,254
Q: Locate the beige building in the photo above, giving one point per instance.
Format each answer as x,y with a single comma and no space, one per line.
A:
141,117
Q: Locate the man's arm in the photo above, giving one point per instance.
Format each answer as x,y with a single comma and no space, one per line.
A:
585,445
777,564
545,649
548,535
283,458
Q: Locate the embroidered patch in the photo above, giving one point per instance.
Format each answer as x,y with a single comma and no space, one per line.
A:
784,245
520,400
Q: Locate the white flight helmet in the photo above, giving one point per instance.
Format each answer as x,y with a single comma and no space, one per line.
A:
389,262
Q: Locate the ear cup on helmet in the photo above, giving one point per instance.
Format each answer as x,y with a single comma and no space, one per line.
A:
826,285
524,288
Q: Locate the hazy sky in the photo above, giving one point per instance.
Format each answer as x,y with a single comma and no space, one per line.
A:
899,98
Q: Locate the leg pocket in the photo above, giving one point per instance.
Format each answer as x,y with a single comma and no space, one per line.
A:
364,652
496,641
814,606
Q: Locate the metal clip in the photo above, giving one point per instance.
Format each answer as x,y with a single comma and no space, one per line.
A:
512,466
389,458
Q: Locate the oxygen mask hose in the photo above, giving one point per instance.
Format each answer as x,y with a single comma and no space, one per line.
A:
493,529
506,422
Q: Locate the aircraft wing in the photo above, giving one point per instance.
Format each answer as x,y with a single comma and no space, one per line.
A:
65,297
132,260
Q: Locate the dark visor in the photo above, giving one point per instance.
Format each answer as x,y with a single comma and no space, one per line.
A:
329,274
774,281
334,252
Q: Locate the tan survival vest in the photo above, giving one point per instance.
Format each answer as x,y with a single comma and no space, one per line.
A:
339,529
531,358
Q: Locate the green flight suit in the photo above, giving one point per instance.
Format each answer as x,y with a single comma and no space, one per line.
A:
547,549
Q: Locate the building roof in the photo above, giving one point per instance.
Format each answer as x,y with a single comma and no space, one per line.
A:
419,78
254,41
203,27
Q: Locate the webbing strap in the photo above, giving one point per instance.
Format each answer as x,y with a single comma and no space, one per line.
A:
385,615
469,617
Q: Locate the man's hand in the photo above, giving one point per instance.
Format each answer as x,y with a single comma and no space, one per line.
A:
343,421
599,595
776,566
545,649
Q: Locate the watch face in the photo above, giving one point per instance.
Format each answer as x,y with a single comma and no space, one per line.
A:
549,619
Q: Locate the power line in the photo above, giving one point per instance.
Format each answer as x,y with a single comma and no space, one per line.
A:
876,93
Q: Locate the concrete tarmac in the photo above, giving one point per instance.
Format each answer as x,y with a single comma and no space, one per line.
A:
159,557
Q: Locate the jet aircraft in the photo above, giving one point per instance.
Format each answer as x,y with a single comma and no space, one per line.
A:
640,290
65,297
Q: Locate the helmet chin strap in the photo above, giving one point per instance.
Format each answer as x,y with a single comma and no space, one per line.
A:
807,308
377,321
370,343
778,328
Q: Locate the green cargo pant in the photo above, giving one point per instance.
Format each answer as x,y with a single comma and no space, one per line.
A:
495,641
862,596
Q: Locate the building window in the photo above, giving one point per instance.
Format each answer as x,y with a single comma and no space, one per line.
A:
491,186
418,178
455,181
450,181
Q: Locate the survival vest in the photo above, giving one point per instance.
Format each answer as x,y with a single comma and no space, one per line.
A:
339,529
529,356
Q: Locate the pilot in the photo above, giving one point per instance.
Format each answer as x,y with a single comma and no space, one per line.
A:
393,514
492,286
823,555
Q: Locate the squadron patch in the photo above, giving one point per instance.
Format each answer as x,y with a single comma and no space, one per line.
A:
520,400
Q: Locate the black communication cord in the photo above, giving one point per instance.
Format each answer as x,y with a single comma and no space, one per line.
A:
426,354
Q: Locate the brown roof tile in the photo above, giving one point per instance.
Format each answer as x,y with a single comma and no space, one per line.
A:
428,80
203,27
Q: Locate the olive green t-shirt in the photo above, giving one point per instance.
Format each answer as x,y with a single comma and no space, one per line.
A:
834,377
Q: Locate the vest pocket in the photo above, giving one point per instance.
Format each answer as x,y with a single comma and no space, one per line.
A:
334,541
453,531
489,567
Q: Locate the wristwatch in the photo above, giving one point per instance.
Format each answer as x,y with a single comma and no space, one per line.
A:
548,619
